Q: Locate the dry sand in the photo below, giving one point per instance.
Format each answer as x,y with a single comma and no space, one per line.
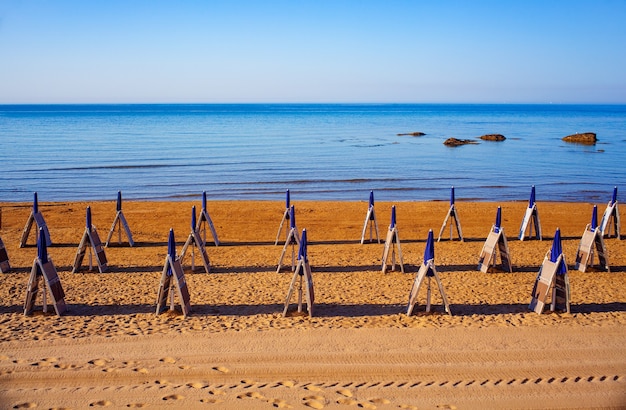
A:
359,350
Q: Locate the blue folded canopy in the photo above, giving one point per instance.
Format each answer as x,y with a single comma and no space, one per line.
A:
498,224
292,217
88,218
393,217
531,201
302,251
193,217
119,201
594,218
556,251
42,249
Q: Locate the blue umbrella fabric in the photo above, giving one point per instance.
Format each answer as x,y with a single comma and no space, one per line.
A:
171,245
204,200
614,199
429,252
452,196
302,251
594,218
393,217
292,217
556,251
287,200
119,201
193,217
88,218
531,201
371,199
42,249
35,203
498,224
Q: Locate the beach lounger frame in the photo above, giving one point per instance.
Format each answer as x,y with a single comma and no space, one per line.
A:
5,266
392,244
173,276
293,240
495,243
370,219
548,282
530,221
37,218
591,244
303,278
90,242
453,217
611,219
285,217
429,271
52,285
120,222
205,220
195,241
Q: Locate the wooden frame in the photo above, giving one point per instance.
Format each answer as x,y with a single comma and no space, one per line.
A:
195,242
427,270
531,219
90,241
37,218
610,219
5,266
370,219
495,242
120,222
591,243
452,214
52,284
303,273
204,220
173,269
550,282
392,239
285,217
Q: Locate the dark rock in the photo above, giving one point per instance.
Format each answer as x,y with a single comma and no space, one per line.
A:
455,142
413,134
493,137
587,138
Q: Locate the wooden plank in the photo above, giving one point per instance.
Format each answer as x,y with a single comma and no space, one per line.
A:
41,224
80,252
543,284
53,283
392,238
181,286
26,231
4,258
164,286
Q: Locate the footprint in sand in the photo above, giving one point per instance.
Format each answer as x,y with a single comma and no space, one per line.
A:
314,404
347,402
251,395
141,370
211,401
287,383
345,392
379,400
27,405
168,360
407,406
217,392
446,406
136,405
100,403
221,369
313,388
98,362
196,385
173,397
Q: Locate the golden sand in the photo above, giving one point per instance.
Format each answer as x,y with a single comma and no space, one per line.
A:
359,350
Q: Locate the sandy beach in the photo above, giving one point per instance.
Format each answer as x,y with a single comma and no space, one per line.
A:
359,350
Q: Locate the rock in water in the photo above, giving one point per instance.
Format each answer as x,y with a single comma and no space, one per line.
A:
455,142
493,137
588,138
413,134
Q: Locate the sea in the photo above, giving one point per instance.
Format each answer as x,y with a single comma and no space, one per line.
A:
316,151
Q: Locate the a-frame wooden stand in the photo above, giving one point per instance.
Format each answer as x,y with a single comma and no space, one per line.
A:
427,270
392,243
552,279
194,241
454,220
36,217
531,219
285,217
91,243
205,220
303,278
5,266
118,223
293,239
611,218
43,266
173,269
370,219
592,244
496,241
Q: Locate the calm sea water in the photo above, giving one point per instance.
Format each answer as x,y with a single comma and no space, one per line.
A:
318,151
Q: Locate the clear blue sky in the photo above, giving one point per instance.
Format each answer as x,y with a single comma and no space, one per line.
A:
64,51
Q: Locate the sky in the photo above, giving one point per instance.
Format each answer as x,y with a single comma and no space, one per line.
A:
326,51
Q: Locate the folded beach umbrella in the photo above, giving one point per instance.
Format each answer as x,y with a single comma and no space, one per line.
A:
371,199
35,204
193,218
292,217
594,218
531,201
88,218
556,251
393,217
498,224
302,252
171,245
42,249
203,200
429,253
287,200
452,196
118,207
614,198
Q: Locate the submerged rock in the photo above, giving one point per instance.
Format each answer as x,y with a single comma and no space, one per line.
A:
493,137
413,134
455,142
588,138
